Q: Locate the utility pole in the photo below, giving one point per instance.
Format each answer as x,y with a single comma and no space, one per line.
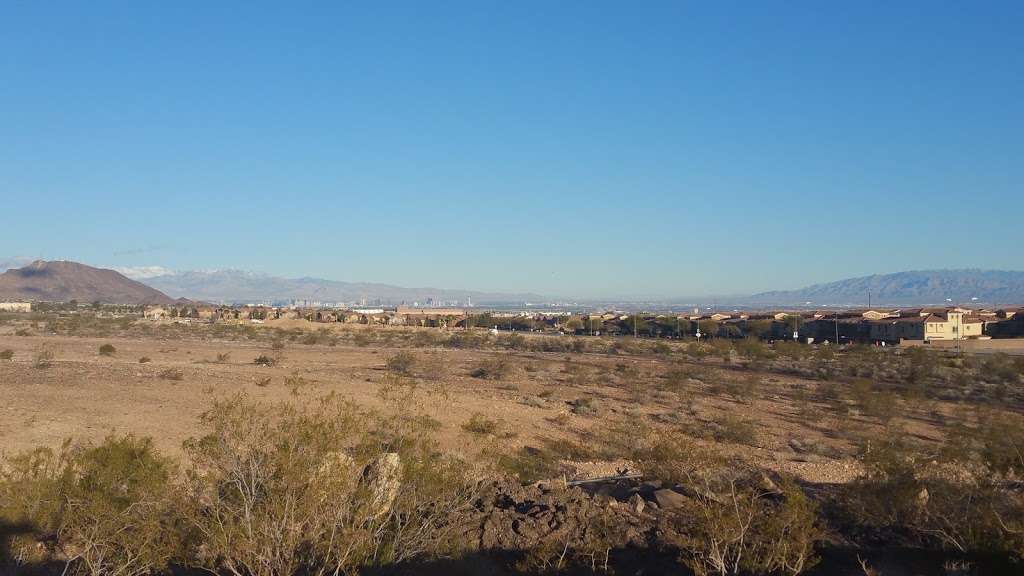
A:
635,329
837,327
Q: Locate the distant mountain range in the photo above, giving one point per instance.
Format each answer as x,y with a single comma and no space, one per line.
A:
908,288
239,286
65,281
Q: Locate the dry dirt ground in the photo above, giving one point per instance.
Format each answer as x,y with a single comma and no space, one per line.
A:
85,396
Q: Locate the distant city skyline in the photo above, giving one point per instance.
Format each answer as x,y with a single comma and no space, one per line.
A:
586,150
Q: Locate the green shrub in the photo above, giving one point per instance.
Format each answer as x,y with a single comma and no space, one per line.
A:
113,508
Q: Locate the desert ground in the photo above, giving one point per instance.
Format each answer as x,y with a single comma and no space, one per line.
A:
898,456
84,396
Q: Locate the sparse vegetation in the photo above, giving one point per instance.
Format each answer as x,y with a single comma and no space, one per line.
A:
491,369
6,354
264,360
938,440
402,363
43,358
108,350
145,360
171,374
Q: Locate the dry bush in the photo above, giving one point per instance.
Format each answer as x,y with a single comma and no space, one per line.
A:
43,358
171,374
530,464
480,424
145,360
492,369
734,429
286,490
297,383
264,360
223,357
585,406
108,350
402,363
961,506
737,525
6,354
110,509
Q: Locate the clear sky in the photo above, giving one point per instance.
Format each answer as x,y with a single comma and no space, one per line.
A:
582,149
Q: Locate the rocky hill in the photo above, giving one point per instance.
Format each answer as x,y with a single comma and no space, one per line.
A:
63,281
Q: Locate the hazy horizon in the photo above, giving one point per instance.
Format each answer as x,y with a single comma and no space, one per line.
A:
587,150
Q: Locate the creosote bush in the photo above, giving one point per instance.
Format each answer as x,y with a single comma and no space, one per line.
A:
402,363
492,369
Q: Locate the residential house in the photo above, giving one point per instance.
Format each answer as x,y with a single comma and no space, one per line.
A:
15,306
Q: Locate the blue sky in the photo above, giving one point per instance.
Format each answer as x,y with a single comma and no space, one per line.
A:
581,149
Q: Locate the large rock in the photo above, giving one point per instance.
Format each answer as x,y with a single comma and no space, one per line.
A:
382,478
669,499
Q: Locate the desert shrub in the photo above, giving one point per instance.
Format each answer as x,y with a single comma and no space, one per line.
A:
402,363
735,429
902,489
108,350
737,525
880,404
223,357
277,344
297,383
744,388
145,360
697,350
792,350
480,424
752,349
1001,368
110,509
43,358
171,374
22,332
530,464
512,342
995,442
466,340
492,369
264,360
6,354
316,491
583,406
